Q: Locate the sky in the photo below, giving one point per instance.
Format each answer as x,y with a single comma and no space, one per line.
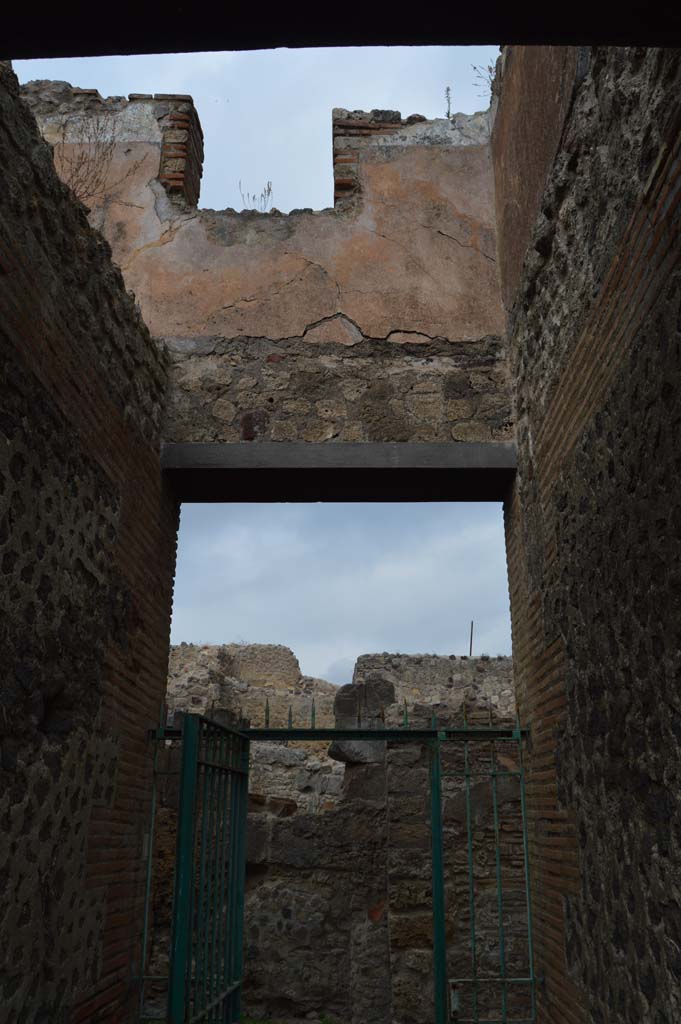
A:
331,581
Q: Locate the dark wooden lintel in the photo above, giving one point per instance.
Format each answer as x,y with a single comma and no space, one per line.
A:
71,30
334,471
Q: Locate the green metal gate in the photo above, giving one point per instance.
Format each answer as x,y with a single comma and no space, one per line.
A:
206,968
467,760
206,959
494,989
208,907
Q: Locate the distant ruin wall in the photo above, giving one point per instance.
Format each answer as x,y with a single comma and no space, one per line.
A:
377,320
87,547
430,685
338,899
594,532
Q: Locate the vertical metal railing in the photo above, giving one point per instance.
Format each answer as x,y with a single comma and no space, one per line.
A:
497,865
471,878
438,889
205,978
207,922
149,871
526,867
470,997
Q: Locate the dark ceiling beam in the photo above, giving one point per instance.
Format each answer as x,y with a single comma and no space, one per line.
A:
299,471
83,29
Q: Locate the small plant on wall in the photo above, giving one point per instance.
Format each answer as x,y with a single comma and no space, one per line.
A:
83,157
252,201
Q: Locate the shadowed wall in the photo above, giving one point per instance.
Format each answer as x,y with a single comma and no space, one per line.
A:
87,550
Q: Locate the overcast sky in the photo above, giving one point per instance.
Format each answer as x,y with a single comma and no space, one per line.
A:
330,581
333,581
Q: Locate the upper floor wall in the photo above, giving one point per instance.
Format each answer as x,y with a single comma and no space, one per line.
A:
379,319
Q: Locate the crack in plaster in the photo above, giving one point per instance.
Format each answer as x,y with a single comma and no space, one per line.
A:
428,227
401,245
313,263
364,337
461,244
164,238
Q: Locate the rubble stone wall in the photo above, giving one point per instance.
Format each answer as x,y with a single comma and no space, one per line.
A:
87,549
453,690
593,535
377,320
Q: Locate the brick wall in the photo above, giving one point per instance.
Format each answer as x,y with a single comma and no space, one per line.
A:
87,538
181,148
351,130
592,529
538,83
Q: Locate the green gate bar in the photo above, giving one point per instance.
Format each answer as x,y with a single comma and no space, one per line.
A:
438,886
476,981
500,897
471,880
183,901
526,865
207,921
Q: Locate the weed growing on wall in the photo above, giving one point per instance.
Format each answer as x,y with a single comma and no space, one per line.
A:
260,202
84,154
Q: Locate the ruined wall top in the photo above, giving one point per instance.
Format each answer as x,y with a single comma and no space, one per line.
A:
239,678
354,130
66,115
378,319
71,116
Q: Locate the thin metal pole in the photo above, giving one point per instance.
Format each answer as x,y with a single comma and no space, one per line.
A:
500,901
216,908
180,953
241,874
199,988
224,872
232,882
224,875
471,880
439,934
470,646
526,858
212,876
150,860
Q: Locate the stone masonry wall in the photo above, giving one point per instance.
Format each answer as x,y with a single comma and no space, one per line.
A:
377,320
440,686
594,539
87,548
293,897
338,899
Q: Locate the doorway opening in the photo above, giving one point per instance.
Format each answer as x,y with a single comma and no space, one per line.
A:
443,851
